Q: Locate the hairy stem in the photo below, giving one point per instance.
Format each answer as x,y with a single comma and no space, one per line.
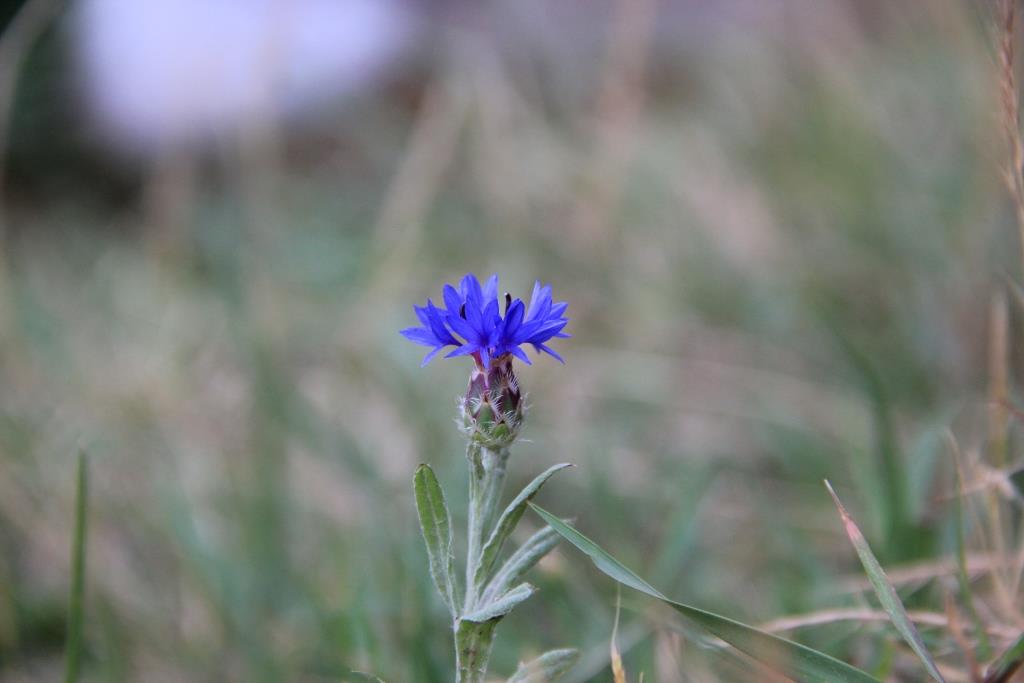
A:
473,650
486,483
494,484
477,475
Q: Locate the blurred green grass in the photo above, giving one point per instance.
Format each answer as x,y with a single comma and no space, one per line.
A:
784,279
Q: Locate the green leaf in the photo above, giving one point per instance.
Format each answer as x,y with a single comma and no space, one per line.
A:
507,523
794,660
547,668
1003,668
73,654
522,560
435,522
496,609
885,591
890,473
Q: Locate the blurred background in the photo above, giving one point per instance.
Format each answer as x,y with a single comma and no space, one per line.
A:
779,225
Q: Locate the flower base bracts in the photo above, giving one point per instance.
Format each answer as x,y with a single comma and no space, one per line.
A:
491,412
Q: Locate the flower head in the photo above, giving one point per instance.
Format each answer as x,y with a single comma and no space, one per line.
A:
472,322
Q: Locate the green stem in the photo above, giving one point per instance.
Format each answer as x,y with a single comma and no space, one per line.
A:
74,638
486,482
477,475
494,484
473,650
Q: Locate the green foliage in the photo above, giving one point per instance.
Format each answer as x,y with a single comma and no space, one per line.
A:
1007,663
507,522
885,591
229,354
796,661
435,522
501,605
76,602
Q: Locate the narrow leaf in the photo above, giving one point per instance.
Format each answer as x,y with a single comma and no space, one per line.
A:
507,523
1003,668
794,660
547,668
496,609
73,653
522,560
435,522
885,591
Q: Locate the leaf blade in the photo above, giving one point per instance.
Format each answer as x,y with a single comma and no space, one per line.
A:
507,523
1001,670
498,608
884,590
794,660
521,561
435,524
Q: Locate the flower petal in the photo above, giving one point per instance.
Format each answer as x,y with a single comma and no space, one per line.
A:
452,300
419,335
430,356
471,290
534,298
474,316
514,318
547,349
421,313
491,289
461,327
435,318
463,350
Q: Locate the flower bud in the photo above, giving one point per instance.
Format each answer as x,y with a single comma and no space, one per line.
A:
491,412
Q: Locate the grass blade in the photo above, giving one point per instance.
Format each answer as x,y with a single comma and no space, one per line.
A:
435,523
794,660
1007,664
884,590
890,473
73,654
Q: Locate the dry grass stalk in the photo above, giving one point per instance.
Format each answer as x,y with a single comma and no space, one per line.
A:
998,377
832,616
1014,172
998,380
618,672
956,630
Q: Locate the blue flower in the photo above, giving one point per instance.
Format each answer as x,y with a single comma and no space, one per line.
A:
473,324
